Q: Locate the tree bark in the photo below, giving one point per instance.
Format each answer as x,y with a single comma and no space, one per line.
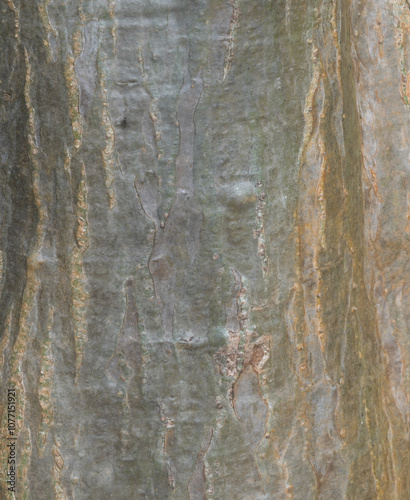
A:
205,223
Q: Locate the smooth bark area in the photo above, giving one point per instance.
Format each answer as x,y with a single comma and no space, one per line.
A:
204,249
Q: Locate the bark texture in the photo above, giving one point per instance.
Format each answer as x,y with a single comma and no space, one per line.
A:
205,220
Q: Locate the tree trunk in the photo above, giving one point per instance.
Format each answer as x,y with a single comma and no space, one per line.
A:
205,224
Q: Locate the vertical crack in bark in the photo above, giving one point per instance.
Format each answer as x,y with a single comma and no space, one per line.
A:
24,465
111,9
45,386
260,233
73,88
188,101
4,343
58,466
16,11
197,483
26,320
252,411
51,32
80,296
242,360
233,33
402,29
170,262
168,436
309,111
318,303
230,357
125,366
366,346
391,348
108,153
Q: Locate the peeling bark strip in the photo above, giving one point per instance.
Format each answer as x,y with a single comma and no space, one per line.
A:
204,241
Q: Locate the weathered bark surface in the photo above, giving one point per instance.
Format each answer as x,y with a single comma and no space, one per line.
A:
205,224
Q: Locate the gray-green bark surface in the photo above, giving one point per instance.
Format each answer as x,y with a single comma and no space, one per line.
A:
205,219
